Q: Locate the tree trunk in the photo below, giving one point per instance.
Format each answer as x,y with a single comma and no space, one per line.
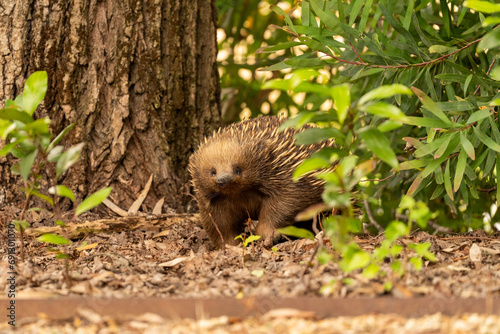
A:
139,79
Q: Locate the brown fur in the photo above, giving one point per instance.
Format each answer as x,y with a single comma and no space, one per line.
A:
254,164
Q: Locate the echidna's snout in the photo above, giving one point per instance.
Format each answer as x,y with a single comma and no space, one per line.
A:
223,179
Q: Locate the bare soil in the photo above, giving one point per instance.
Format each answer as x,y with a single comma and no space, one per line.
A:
177,261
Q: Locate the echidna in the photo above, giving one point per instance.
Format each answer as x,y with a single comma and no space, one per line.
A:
245,171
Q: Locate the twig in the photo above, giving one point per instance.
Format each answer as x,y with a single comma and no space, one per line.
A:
370,216
319,243
220,234
480,238
425,63
379,180
488,190
487,73
356,52
438,228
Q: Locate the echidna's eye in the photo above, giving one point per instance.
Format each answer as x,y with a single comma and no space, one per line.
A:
213,172
237,171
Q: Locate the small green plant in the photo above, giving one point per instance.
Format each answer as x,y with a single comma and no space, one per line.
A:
246,242
353,257
38,154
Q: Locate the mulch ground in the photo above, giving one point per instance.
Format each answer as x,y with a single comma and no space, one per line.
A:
178,262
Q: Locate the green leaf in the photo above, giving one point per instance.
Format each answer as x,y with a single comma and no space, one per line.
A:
395,230
43,197
68,159
498,175
60,223
417,262
60,136
490,41
414,164
26,164
316,135
491,20
431,167
13,113
358,260
389,125
62,256
327,18
441,49
383,109
434,145
275,67
277,47
93,200
438,192
251,238
431,105
365,15
483,6
306,14
53,239
422,249
7,148
55,153
486,140
356,7
478,115
40,127
445,11
280,11
459,172
400,29
447,180
296,232
371,271
34,91
63,191
383,92
427,122
440,151
305,62
20,224
467,146
342,99
467,83
315,45
309,165
378,143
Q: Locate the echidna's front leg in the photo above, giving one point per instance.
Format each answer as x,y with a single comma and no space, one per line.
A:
220,226
273,215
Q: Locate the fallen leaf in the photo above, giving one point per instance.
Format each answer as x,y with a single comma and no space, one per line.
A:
87,246
158,206
138,202
490,251
475,255
163,233
458,268
174,262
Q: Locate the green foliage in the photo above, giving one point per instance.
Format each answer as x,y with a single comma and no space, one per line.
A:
245,29
245,242
353,63
31,142
409,93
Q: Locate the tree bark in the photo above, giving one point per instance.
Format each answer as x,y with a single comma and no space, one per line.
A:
139,79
